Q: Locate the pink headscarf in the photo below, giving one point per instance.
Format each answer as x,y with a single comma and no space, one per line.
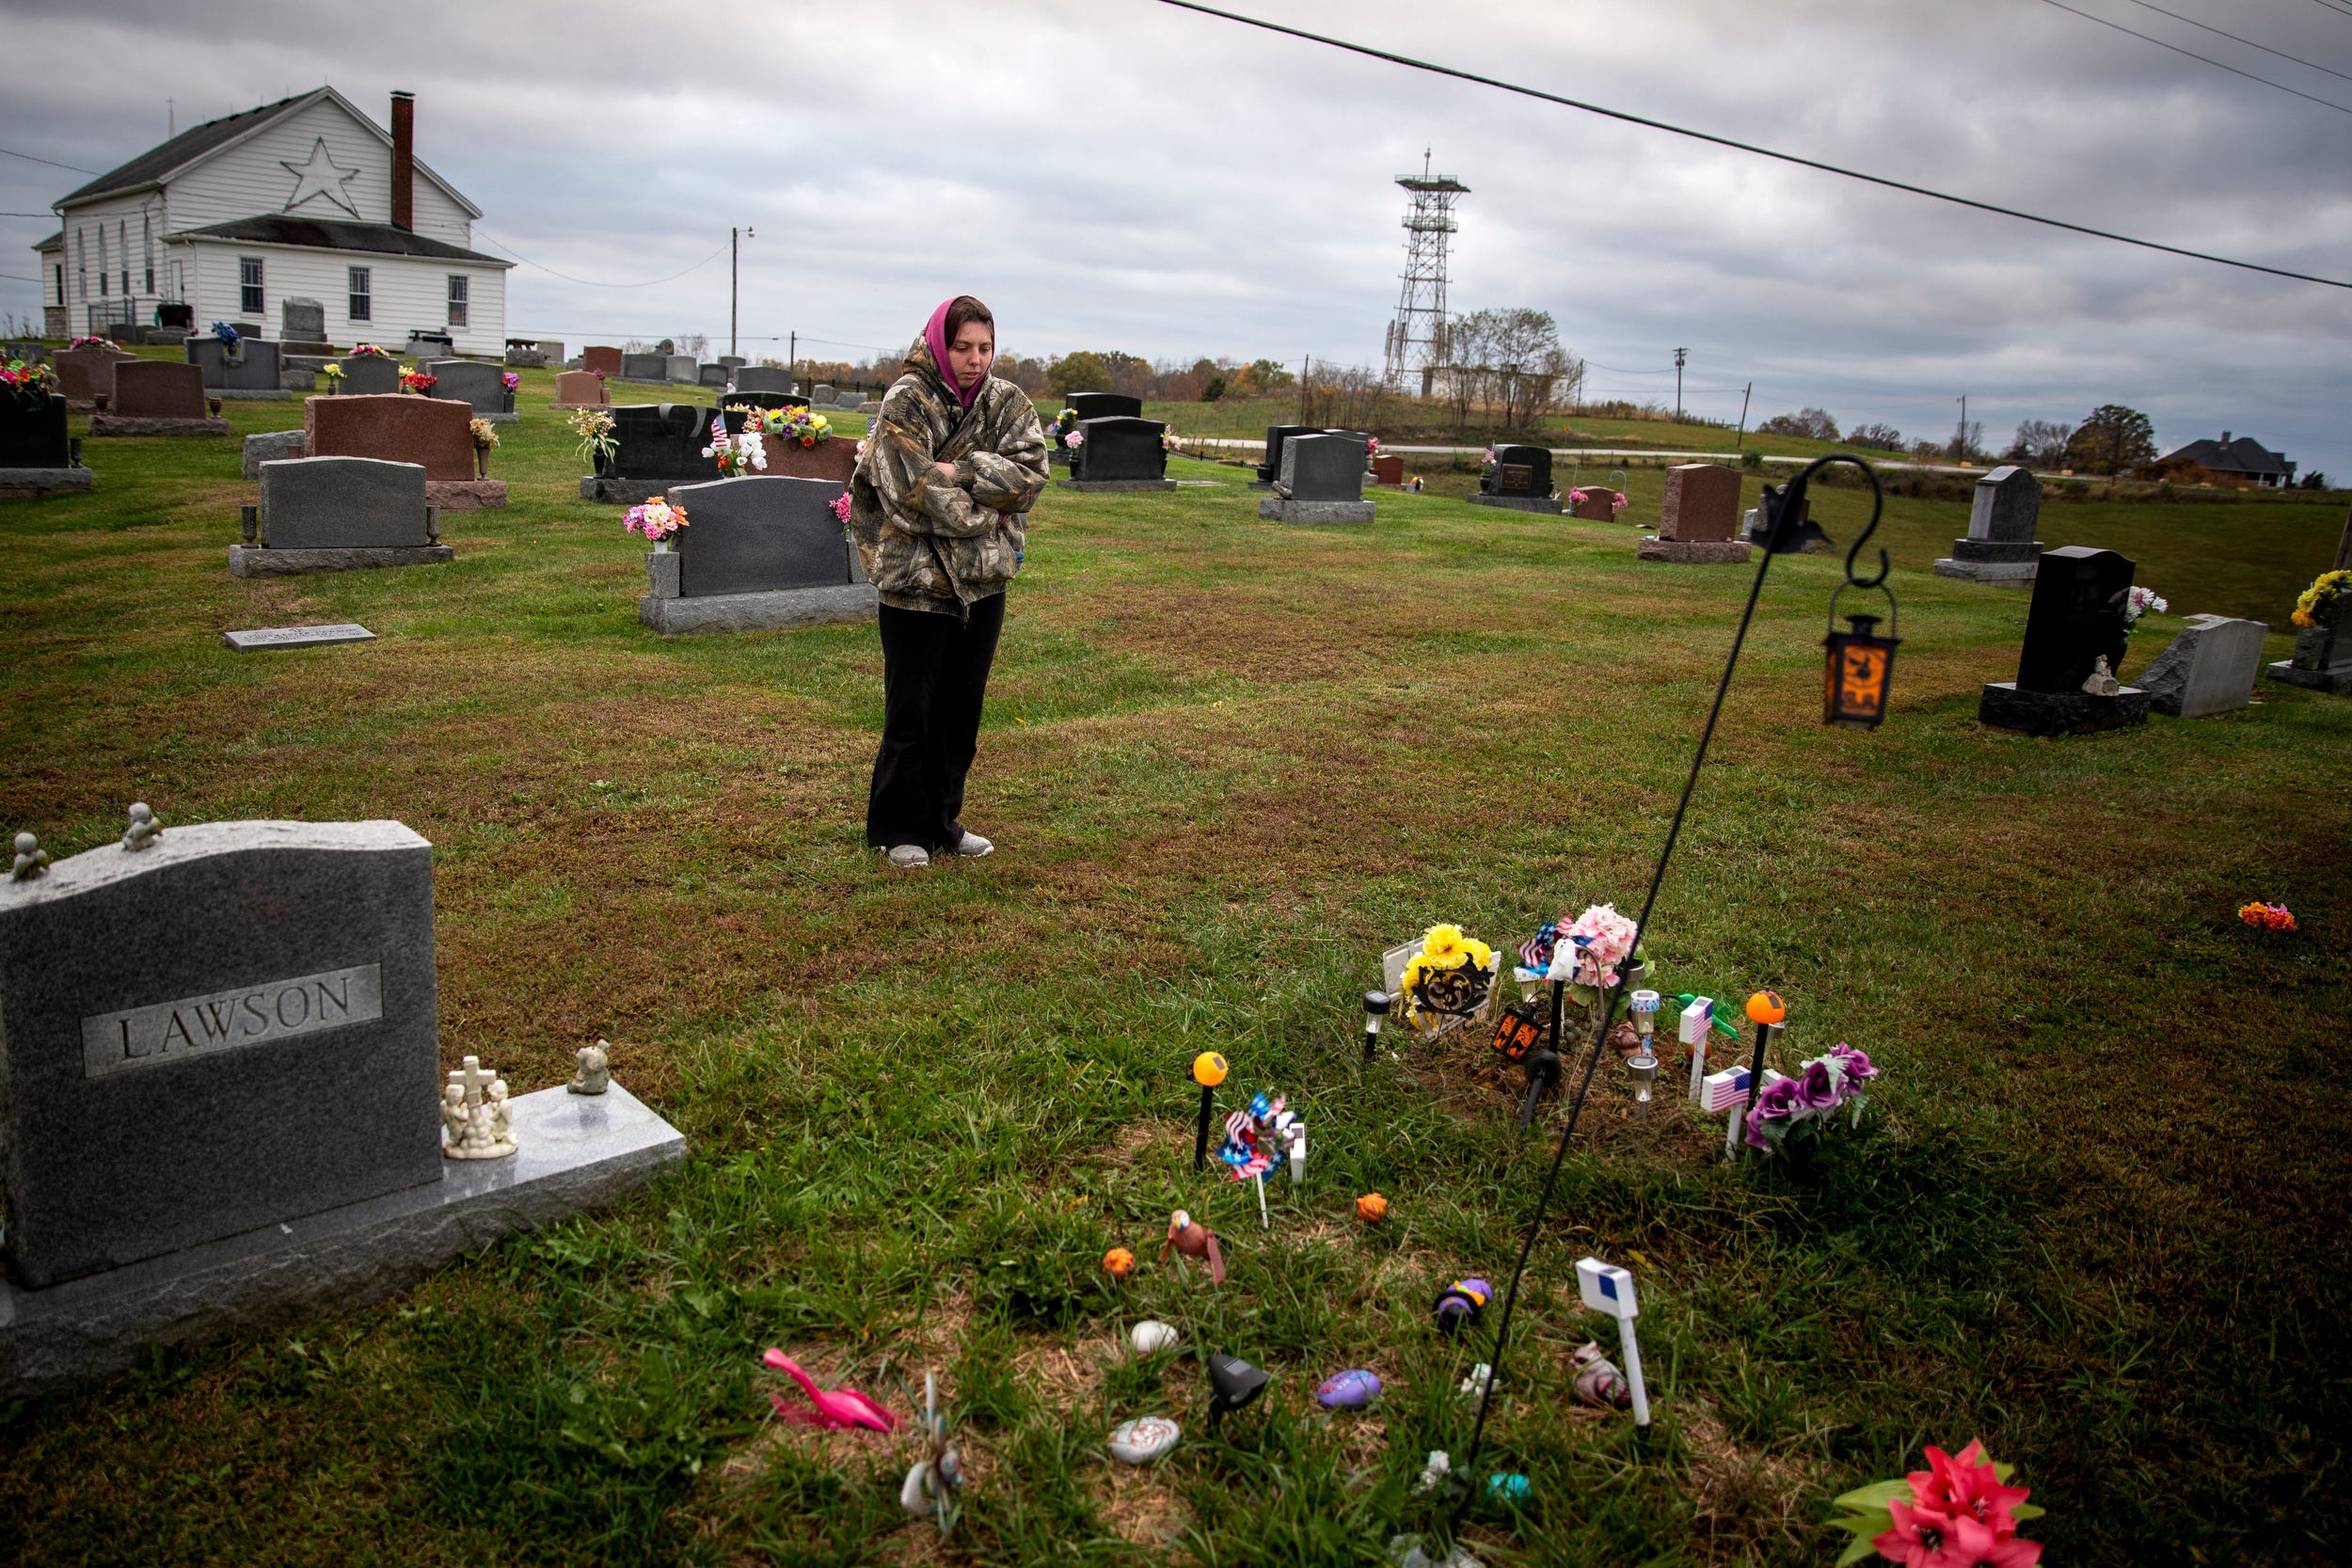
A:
935,339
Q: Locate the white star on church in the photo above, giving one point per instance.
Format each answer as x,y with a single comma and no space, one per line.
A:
320,177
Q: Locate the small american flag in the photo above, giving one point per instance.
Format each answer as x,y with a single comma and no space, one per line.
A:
1722,1090
1535,952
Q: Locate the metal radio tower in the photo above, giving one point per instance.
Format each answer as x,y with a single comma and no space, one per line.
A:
1417,337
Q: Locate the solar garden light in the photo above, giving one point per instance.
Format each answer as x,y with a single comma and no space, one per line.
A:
1543,1071
1233,1385
1643,1004
1644,1069
1208,1070
1607,1288
1376,1009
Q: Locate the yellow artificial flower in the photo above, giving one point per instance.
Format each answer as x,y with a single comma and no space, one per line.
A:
1480,954
1443,946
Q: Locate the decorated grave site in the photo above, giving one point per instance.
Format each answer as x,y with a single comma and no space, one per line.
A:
1156,1189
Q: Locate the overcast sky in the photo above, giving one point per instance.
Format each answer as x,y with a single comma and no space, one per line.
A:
1119,174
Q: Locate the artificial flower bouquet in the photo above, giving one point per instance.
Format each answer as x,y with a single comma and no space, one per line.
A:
484,434
596,440
1065,422
1076,439
1448,980
334,374
737,454
1793,1109
417,382
1578,498
656,520
2267,917
510,379
369,351
792,424
1371,446
1169,442
30,384
1959,1512
73,343
1587,952
2318,602
841,508
2139,602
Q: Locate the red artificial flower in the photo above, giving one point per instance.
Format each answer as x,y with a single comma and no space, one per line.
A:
1924,1538
1967,1485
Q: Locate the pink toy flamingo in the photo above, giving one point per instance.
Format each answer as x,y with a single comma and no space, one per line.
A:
840,1407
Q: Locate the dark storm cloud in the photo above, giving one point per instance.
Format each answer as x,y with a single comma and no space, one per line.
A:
1118,174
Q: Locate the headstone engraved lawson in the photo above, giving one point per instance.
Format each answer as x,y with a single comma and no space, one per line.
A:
762,551
2000,546
2077,621
1521,480
1322,482
222,1109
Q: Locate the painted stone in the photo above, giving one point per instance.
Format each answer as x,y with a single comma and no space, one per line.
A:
1349,1390
1143,1439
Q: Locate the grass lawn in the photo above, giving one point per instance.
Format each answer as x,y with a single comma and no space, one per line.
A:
2093,1215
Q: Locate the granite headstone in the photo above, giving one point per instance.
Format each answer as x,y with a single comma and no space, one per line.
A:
1698,519
302,321
643,367
370,375
2209,668
680,367
248,369
476,383
2000,546
2077,617
1322,482
579,390
1271,469
762,378
601,359
1120,453
1520,479
762,551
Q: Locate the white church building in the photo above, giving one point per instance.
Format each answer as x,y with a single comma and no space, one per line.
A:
303,198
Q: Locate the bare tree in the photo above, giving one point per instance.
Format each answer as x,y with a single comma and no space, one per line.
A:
2041,443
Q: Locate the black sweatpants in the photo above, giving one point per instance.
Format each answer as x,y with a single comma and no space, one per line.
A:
934,679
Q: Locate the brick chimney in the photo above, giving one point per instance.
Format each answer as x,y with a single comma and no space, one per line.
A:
2225,437
404,159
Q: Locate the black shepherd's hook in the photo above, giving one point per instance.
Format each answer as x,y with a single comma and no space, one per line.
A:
1783,535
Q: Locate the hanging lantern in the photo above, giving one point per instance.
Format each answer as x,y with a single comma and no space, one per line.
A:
1859,670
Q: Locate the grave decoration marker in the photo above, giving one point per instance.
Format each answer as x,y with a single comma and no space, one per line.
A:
643,367
2209,668
338,515
1698,520
1520,479
369,376
1322,482
602,359
87,373
762,551
1119,452
296,637
38,455
656,445
2000,546
581,389
763,378
1276,435
404,429
155,397
2078,619
2323,657
220,1043
476,383
247,369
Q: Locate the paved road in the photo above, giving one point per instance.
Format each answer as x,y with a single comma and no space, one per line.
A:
1878,460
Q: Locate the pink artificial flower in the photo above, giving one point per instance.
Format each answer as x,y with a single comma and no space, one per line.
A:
1923,1538
841,506
1967,1485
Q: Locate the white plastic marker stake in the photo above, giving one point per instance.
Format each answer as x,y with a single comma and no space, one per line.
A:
1264,1223
1723,1091
1298,1153
1696,1019
1607,1288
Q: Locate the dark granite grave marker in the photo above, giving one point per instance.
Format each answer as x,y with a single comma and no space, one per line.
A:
476,383
1103,406
645,367
1520,479
1271,469
155,397
1322,482
1119,452
249,370
763,378
38,455
370,375
759,551
338,515
657,445
2077,618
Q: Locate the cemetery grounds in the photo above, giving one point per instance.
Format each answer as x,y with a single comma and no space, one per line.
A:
2094,1214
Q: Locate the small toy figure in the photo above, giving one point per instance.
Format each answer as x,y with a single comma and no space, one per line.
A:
31,859
595,1073
144,829
834,1408
1461,1304
474,1114
1119,1262
2101,682
1191,1239
1372,1207
1597,1381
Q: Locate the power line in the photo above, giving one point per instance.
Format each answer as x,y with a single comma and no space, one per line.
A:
2145,37
591,282
51,162
2330,6
1413,64
2250,44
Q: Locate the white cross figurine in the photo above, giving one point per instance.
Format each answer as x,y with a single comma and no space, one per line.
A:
473,1080
1607,1288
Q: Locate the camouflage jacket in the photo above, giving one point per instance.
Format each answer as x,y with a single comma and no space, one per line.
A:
927,542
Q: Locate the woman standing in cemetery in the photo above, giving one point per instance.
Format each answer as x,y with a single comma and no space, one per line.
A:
937,509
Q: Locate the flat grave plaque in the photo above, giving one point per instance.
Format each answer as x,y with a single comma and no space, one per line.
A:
298,637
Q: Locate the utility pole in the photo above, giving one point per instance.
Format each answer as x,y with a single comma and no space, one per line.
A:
734,245
792,360
1960,442
1678,354
1745,393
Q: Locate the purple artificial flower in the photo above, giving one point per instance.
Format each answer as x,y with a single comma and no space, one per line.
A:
1856,1063
1818,1089
1778,1102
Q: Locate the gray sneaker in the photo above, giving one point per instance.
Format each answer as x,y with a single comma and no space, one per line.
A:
972,846
910,857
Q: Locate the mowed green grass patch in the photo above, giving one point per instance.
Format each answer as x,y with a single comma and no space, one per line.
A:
1227,762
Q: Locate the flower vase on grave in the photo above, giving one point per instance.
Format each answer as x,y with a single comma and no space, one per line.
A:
662,547
482,461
